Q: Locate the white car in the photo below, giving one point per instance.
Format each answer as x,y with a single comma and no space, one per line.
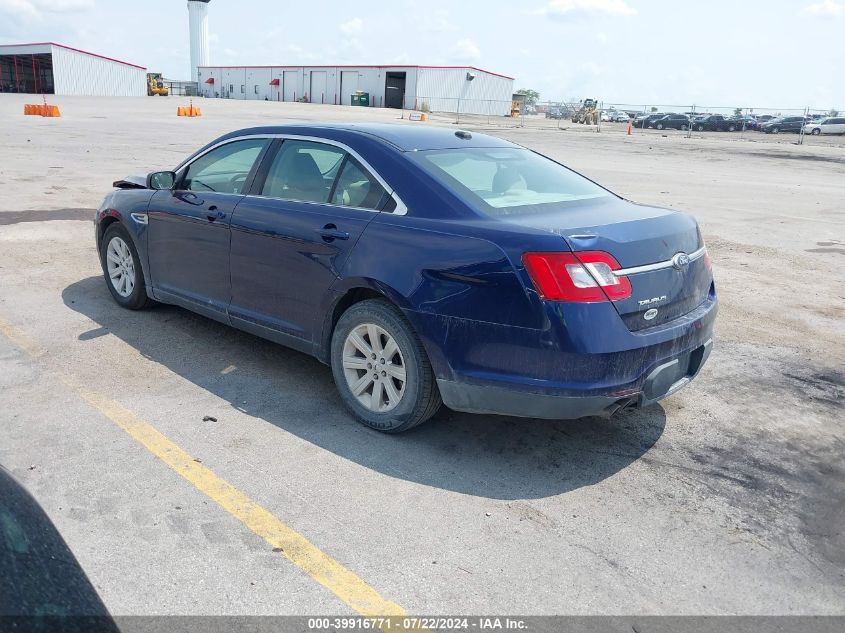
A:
621,117
830,125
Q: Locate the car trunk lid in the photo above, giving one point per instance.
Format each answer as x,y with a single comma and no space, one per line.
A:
660,251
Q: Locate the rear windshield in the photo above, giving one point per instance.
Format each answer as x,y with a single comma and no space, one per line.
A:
507,181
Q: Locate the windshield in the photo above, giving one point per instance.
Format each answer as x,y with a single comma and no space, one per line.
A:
506,181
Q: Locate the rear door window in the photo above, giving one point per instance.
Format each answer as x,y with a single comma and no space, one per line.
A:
304,171
357,188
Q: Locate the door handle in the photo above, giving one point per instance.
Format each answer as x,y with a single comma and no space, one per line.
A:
214,214
330,232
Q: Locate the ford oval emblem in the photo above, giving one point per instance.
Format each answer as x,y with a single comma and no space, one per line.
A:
680,260
650,314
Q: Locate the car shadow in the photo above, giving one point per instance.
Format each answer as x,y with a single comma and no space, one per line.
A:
481,455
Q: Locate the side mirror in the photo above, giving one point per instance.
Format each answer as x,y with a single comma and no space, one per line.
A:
161,180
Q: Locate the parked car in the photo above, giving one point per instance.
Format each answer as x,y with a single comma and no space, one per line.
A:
621,117
555,112
716,122
764,118
673,122
606,116
422,264
42,585
648,120
784,124
830,125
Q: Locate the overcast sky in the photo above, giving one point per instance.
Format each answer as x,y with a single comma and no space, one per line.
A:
775,53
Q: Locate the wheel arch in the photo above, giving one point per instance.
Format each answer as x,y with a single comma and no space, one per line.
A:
342,297
108,218
353,291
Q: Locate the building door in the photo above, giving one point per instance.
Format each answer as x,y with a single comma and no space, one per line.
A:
290,79
318,87
348,85
394,90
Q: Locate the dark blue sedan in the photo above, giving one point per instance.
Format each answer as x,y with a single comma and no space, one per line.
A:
424,265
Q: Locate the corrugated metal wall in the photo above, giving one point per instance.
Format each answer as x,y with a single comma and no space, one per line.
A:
447,90
76,73
442,89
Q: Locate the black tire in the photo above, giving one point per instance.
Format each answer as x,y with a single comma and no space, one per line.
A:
775,130
421,398
700,128
816,131
684,128
659,126
731,128
137,299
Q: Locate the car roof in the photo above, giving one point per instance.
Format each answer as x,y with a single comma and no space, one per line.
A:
405,137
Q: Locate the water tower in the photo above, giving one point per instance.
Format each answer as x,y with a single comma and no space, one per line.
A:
198,15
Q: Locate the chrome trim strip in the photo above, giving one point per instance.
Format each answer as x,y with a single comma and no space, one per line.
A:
647,268
401,208
140,218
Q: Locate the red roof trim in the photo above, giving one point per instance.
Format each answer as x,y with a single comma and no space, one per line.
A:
75,50
481,70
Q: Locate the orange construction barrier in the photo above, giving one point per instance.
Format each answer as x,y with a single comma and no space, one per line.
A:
190,110
41,110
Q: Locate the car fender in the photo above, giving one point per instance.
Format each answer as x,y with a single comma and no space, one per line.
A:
129,207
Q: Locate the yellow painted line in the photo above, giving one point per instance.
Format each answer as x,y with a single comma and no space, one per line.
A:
321,567
21,340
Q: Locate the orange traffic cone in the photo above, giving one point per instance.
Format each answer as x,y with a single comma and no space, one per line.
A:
629,127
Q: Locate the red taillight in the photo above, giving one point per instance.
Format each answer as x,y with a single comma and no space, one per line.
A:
586,276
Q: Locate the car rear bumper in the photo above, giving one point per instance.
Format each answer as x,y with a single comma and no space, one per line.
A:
662,380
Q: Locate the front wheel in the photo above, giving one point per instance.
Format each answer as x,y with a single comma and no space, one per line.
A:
816,131
659,126
731,128
381,369
775,130
683,128
122,268
700,128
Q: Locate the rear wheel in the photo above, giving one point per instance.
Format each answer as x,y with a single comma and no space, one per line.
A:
683,128
381,369
731,128
775,130
659,126
122,268
816,131
700,128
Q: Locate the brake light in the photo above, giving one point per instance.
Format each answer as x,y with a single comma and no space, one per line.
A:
585,277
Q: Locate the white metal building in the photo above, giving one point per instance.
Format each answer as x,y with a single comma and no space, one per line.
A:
51,68
462,89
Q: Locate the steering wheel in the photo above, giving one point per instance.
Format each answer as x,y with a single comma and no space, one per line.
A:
237,182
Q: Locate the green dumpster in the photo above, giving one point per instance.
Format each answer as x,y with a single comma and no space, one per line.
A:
360,99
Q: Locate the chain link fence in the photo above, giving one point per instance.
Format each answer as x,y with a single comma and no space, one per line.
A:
745,122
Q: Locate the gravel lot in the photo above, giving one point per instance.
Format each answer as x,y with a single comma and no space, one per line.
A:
726,499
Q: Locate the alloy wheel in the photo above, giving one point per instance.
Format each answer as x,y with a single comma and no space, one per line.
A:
374,368
121,266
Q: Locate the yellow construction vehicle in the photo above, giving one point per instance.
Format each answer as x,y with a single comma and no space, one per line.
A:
587,113
155,85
